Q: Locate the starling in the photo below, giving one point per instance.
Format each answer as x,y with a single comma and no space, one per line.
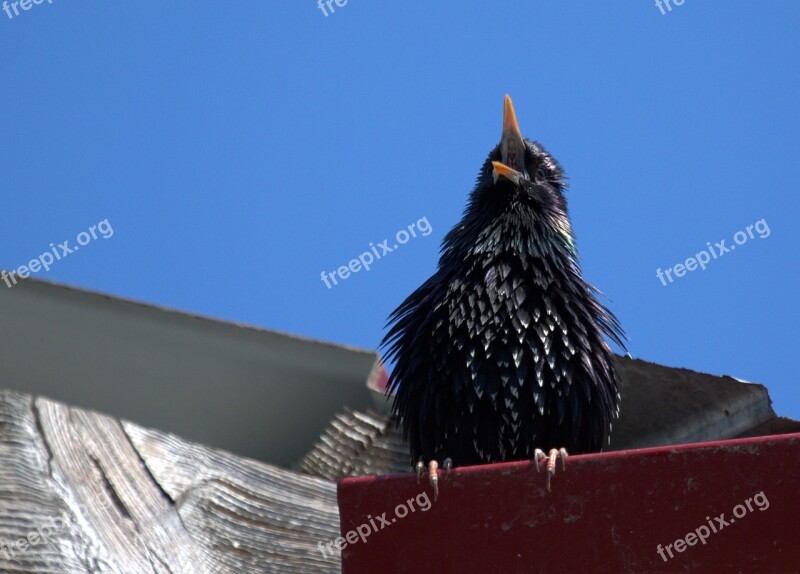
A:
501,355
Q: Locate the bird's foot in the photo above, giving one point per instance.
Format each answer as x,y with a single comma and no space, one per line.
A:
551,457
433,474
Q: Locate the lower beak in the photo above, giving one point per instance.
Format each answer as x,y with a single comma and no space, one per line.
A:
506,172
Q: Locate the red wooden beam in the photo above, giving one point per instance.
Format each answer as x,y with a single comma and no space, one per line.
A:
729,506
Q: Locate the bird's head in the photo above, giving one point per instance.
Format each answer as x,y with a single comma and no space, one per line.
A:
519,196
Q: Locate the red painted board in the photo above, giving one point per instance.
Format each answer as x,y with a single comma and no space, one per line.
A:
607,513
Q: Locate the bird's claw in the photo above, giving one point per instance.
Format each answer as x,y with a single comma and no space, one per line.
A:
433,473
551,457
433,478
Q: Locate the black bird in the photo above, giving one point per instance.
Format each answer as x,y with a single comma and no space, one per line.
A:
501,353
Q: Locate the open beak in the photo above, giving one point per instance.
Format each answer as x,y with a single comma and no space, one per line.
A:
512,146
506,172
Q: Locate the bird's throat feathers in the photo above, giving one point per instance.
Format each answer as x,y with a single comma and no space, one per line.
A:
506,226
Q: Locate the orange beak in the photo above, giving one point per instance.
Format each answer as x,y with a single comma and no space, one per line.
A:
512,146
506,172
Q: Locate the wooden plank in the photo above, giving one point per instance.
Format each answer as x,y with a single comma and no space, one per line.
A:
357,444
82,492
244,515
31,499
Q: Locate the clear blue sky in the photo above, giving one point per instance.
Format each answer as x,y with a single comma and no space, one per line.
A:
239,150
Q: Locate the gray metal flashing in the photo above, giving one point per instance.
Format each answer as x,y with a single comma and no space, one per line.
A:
254,392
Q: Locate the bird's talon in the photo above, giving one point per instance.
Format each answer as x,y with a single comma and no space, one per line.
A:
433,478
538,455
420,469
552,458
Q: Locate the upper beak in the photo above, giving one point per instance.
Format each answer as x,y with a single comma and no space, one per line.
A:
505,171
512,146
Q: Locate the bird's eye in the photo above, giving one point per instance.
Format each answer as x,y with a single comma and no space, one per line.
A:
541,174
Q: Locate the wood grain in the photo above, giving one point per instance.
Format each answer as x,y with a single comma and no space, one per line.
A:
83,492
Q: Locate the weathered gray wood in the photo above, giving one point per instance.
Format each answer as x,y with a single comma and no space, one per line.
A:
244,515
30,496
357,444
114,497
